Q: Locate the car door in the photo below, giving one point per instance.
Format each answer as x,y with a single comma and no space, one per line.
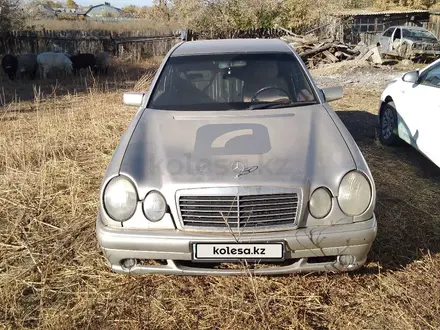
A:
428,119
384,40
418,107
396,37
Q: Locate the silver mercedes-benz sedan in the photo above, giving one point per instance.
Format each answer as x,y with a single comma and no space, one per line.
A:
235,163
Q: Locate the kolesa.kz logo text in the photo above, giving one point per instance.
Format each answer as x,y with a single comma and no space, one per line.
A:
238,251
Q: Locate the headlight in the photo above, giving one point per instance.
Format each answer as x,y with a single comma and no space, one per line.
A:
154,206
320,203
120,198
354,193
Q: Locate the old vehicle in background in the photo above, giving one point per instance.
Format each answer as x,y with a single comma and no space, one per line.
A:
235,157
407,42
410,111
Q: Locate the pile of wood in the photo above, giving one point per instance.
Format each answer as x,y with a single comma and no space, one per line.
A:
314,51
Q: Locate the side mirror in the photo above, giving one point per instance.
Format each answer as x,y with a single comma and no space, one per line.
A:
133,98
411,77
332,93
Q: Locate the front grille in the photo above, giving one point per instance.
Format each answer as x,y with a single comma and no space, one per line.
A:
245,211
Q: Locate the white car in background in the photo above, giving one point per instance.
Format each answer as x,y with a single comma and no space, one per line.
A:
410,111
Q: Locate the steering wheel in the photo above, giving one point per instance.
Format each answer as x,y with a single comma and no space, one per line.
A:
254,97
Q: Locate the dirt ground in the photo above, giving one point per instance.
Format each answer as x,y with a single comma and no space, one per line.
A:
365,74
54,146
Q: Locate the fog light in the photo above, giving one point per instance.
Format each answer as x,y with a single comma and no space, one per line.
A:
347,260
128,263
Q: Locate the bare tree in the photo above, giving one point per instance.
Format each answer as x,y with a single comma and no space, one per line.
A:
244,14
301,15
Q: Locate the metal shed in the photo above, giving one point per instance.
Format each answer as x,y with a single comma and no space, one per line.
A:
434,23
360,25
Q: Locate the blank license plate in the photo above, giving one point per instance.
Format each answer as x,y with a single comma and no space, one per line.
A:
238,251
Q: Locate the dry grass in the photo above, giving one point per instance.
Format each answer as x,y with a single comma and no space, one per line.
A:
121,26
53,154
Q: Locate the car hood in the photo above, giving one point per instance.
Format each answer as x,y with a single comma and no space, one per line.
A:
292,146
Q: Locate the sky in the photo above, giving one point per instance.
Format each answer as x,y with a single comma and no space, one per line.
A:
116,3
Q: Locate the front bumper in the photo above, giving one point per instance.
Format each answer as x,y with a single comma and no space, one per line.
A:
303,248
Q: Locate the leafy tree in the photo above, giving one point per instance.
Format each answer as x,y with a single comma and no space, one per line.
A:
54,4
11,15
244,14
301,15
161,10
71,4
130,9
416,4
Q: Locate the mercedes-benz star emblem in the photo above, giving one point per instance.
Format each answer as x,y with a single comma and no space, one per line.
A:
239,169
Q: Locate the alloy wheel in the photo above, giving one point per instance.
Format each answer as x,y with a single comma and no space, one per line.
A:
387,124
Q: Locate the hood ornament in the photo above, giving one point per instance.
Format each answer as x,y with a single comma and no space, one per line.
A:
239,169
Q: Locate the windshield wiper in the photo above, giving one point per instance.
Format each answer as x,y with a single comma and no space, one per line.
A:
275,105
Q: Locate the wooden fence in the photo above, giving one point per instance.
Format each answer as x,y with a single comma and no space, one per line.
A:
135,45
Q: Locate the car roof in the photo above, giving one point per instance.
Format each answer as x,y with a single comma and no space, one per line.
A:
231,46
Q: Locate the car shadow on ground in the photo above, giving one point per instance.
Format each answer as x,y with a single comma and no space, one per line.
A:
407,184
363,127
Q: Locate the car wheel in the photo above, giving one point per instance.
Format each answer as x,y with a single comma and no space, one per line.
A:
388,134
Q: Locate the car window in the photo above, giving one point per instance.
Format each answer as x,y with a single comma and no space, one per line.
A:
230,81
397,34
388,33
418,35
432,77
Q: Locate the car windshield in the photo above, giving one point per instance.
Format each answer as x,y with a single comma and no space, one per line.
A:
232,82
418,35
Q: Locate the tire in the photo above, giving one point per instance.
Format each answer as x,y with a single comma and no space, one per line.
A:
388,133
